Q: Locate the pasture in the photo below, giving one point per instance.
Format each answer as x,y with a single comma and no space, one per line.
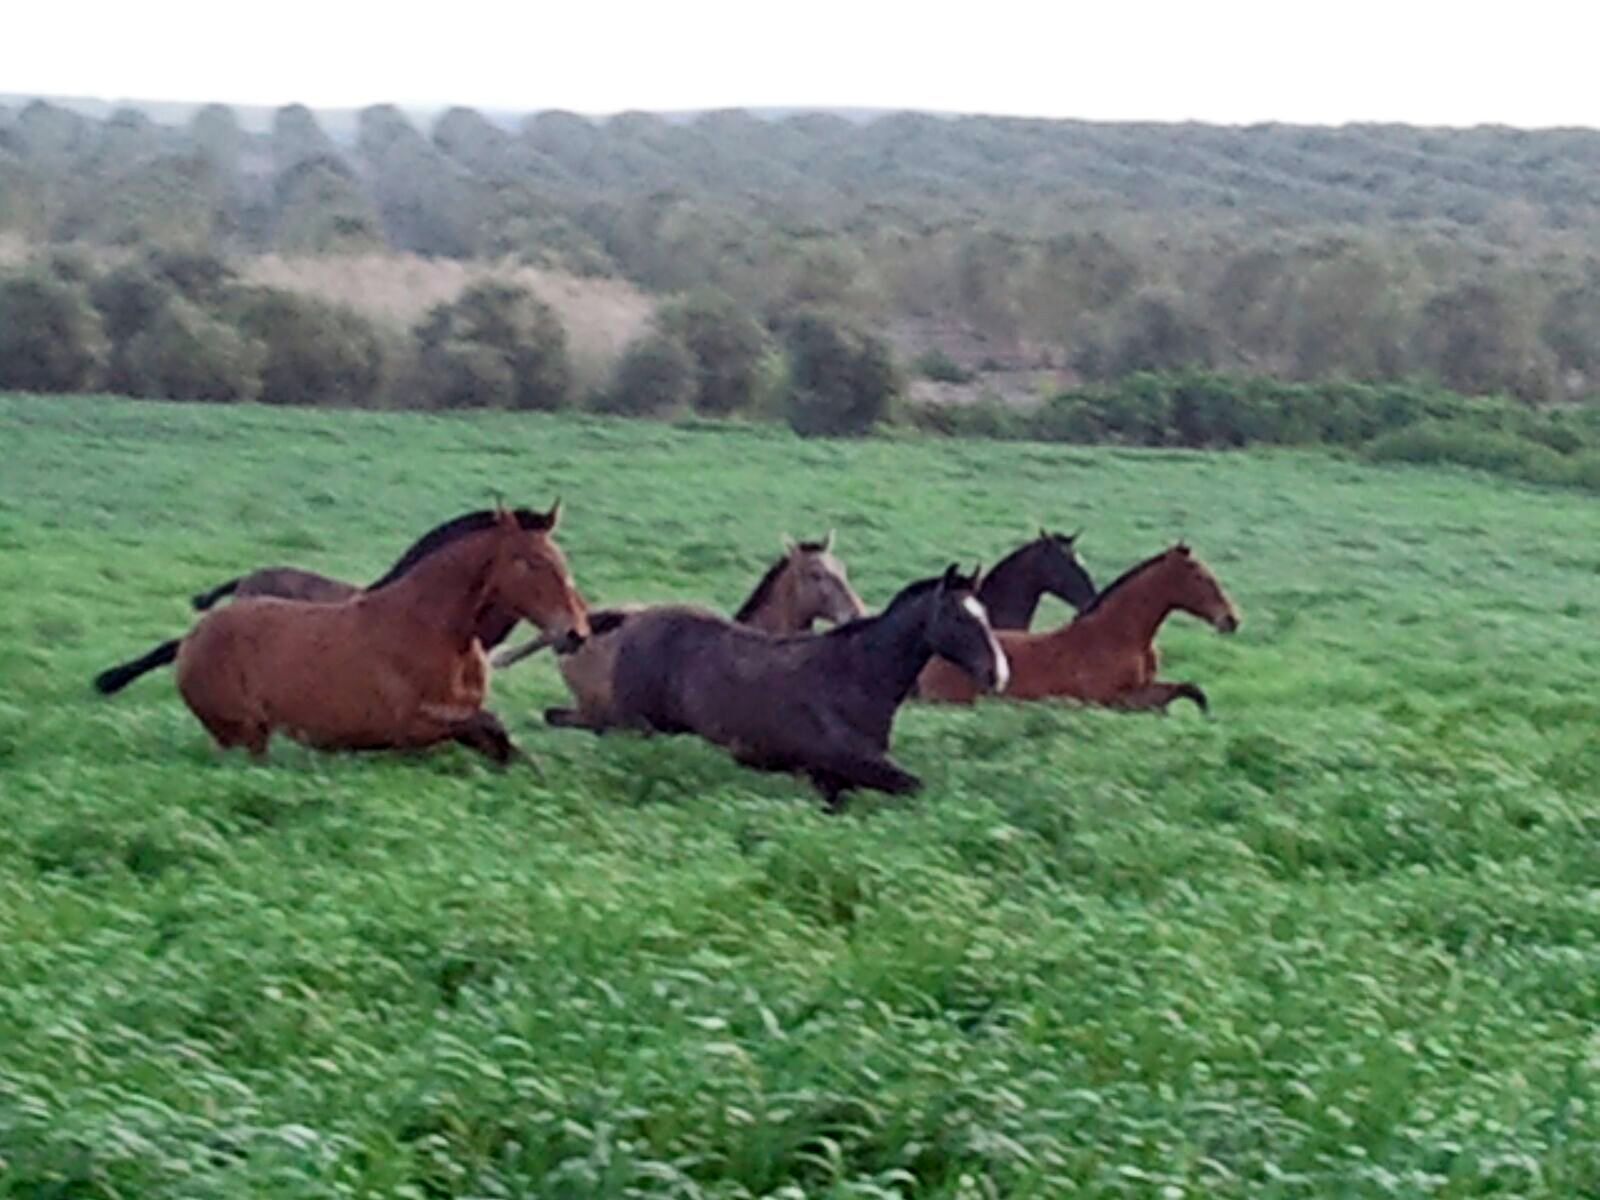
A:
1341,940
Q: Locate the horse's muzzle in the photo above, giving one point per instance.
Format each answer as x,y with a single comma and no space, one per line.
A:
568,643
1227,623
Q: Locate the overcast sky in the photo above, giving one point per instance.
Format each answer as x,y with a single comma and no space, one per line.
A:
1531,63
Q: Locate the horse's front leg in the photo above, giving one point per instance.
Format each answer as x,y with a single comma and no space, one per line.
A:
1158,696
846,773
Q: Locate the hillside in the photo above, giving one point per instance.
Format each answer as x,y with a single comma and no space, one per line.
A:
1084,248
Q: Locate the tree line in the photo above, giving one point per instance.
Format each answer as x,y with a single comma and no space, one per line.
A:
1370,253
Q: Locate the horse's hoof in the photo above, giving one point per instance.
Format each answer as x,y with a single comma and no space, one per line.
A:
561,718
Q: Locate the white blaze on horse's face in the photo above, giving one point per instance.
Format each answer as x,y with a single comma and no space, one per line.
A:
1002,665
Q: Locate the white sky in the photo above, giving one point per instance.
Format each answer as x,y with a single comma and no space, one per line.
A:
1531,63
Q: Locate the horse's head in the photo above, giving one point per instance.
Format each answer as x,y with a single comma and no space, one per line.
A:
1196,590
819,587
958,629
531,576
1062,574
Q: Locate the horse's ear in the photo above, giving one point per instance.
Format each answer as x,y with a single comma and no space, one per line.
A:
952,576
554,515
788,543
505,519
1044,534
1182,548
1075,535
977,574
827,542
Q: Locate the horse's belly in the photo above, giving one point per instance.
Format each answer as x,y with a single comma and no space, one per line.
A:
325,682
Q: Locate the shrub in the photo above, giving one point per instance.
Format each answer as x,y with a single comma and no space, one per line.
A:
501,319
935,364
655,376
727,346
187,354
199,275
51,339
841,379
316,353
1470,444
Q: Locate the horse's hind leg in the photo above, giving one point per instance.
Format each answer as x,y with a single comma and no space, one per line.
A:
571,718
486,733
1159,695
229,735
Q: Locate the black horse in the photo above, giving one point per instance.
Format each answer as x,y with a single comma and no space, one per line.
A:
291,583
1048,565
822,705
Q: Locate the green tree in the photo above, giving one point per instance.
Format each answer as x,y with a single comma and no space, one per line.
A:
51,338
188,354
841,378
493,317
727,345
314,352
654,377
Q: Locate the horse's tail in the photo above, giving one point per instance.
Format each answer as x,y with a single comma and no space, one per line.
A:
204,600
114,679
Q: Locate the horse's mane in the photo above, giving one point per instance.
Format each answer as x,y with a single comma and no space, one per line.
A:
904,596
451,531
763,589
1014,555
1119,581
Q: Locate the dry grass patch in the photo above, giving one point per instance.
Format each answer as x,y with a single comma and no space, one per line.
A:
601,316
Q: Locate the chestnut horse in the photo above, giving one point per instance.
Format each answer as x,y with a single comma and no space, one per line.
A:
808,584
1105,655
291,583
399,665
819,704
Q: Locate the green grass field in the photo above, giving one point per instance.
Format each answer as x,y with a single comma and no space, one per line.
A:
1342,940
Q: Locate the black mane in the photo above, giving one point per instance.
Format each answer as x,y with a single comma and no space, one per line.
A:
1119,581
763,589
451,531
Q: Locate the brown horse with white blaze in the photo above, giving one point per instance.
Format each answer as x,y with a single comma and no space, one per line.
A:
1106,655
397,666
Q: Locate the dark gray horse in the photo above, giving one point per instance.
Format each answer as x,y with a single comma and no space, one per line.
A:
822,705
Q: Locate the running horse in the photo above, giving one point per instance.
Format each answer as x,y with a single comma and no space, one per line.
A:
807,584
821,705
292,583
1105,655
399,665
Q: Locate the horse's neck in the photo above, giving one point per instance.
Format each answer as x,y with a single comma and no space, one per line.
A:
897,643
775,613
1135,610
446,591
1010,599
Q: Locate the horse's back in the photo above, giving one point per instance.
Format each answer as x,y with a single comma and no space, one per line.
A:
293,583
658,651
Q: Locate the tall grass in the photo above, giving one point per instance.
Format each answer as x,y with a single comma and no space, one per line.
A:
1340,940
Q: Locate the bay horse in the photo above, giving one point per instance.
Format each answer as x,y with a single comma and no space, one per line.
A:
398,665
822,705
292,583
807,584
1106,654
